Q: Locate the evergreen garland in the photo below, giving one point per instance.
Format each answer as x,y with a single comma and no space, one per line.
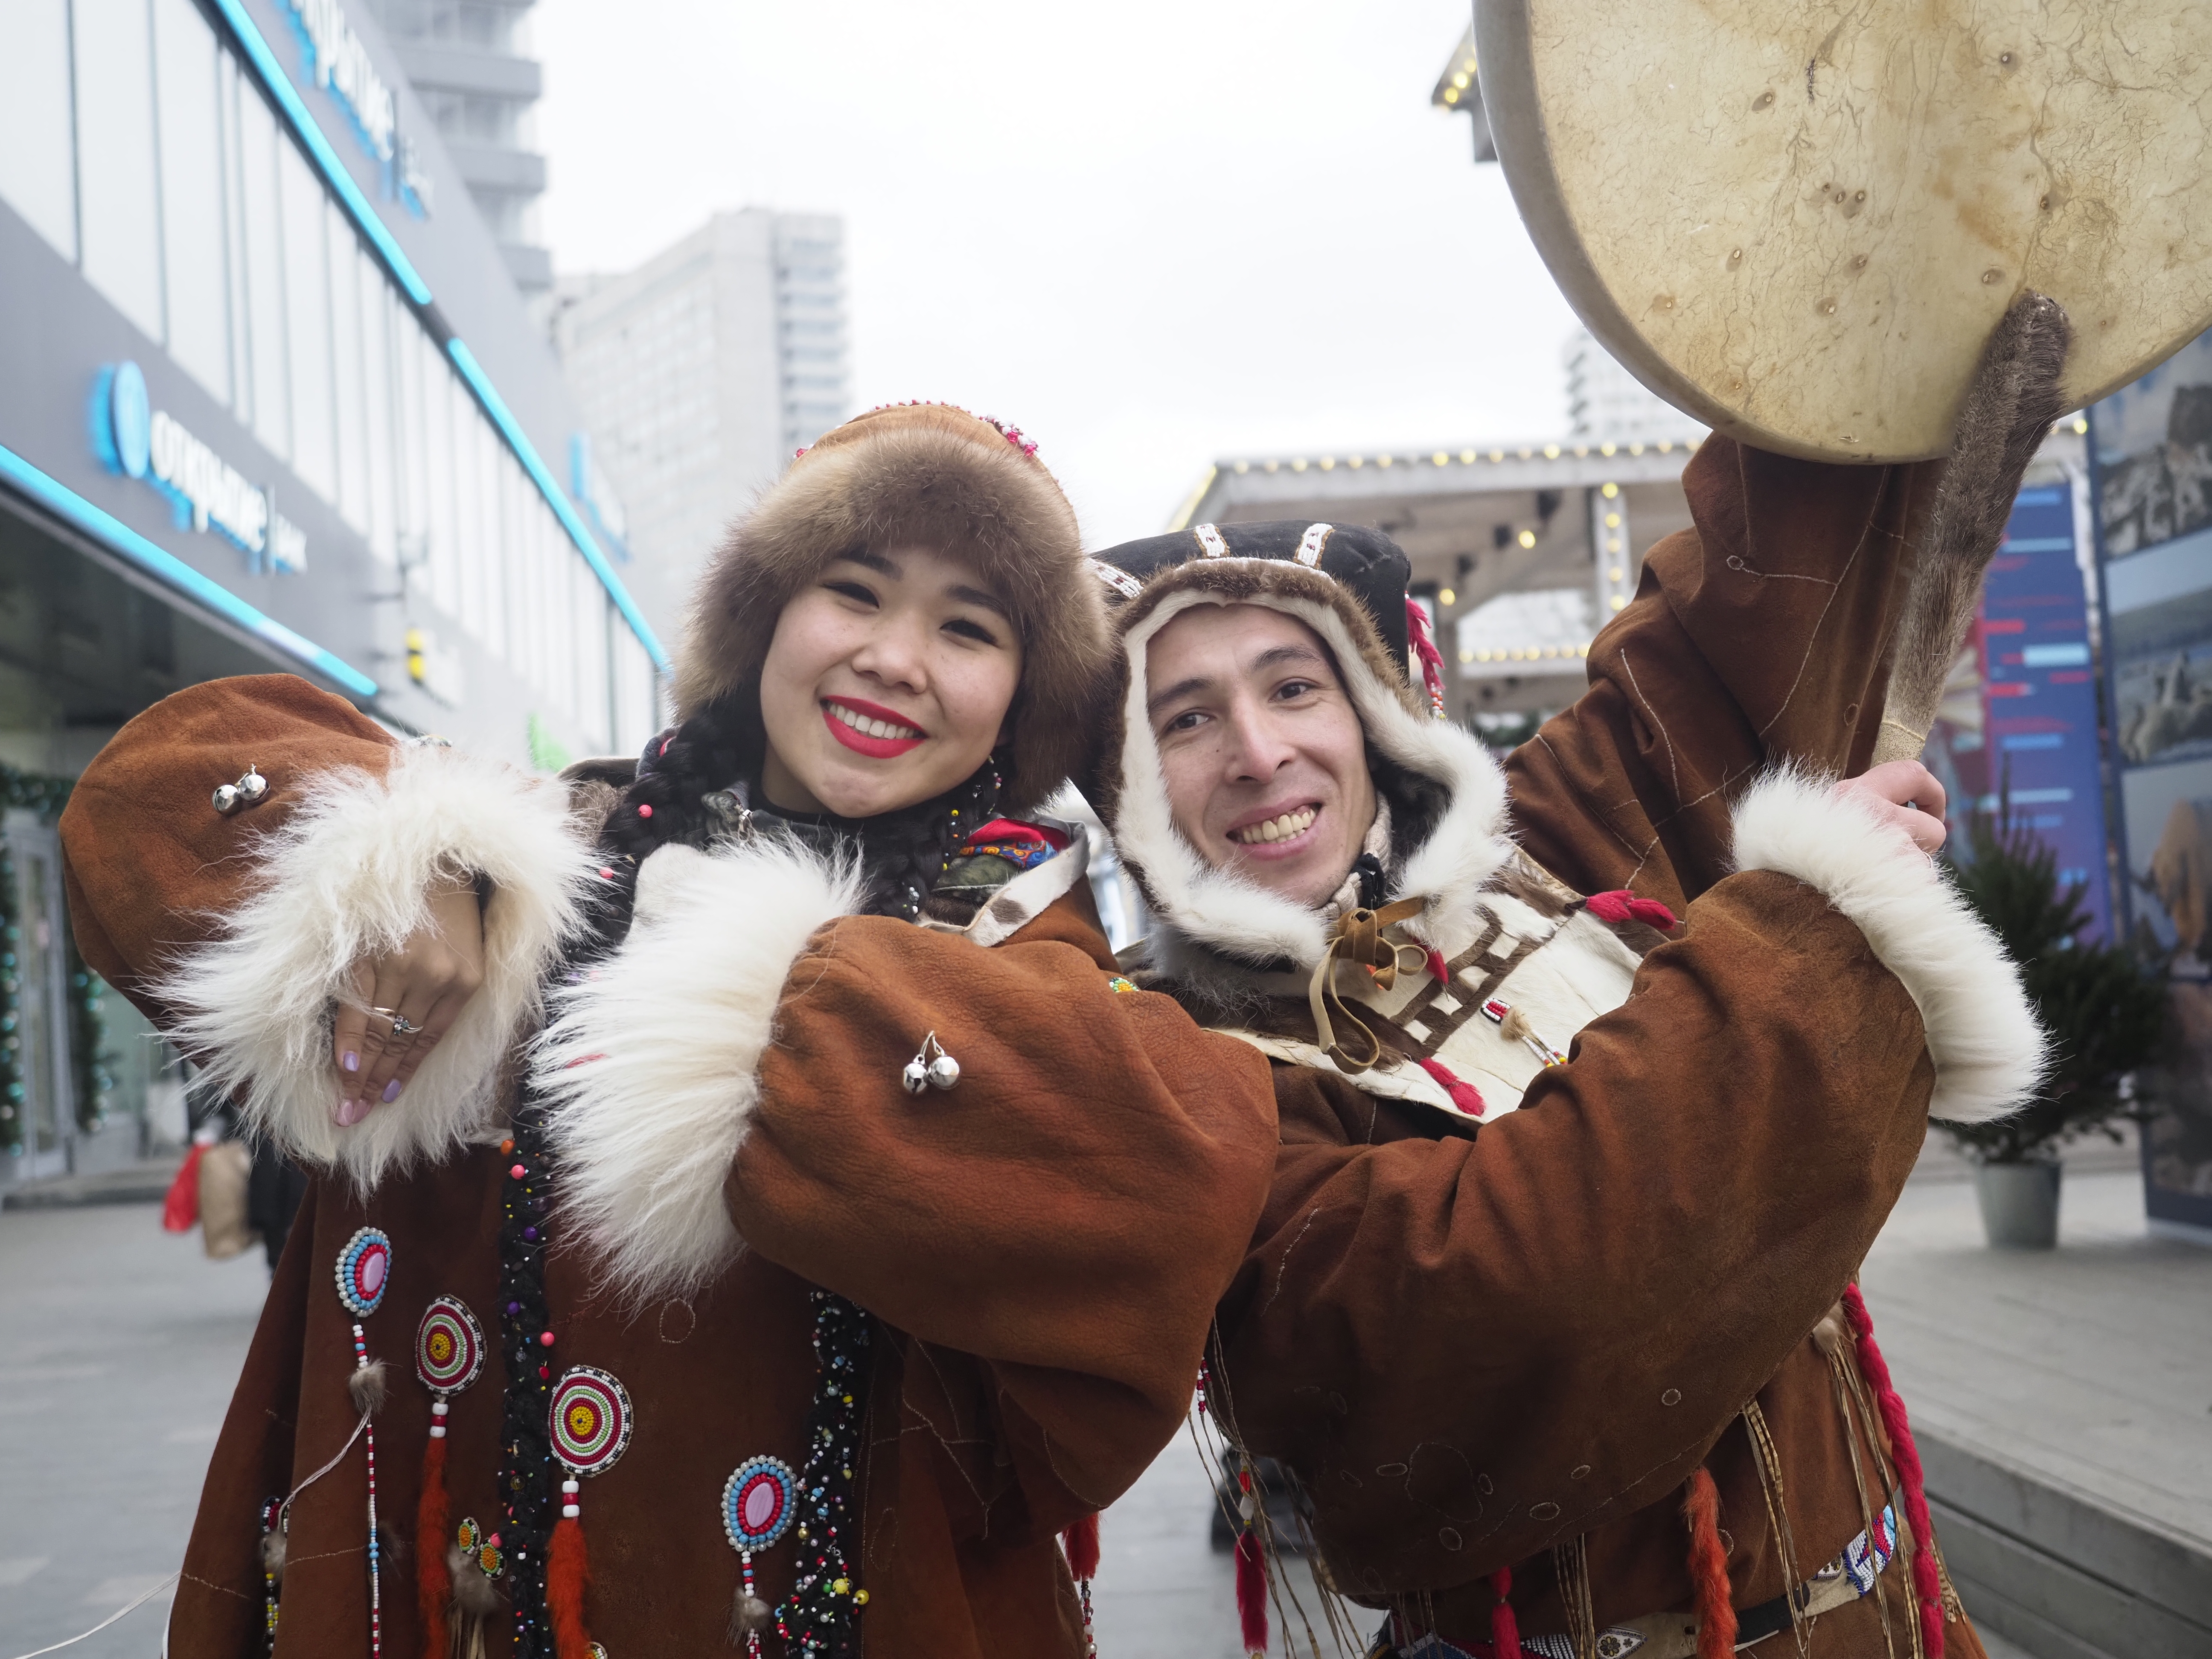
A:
90,1059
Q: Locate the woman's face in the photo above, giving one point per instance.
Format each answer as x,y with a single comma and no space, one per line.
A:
888,682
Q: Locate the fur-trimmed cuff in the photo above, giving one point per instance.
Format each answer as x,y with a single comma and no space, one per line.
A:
1982,1034
347,874
650,1067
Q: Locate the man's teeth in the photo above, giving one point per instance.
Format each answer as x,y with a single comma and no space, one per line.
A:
869,728
1281,828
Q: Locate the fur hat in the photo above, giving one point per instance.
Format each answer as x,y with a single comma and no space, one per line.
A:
1447,793
916,474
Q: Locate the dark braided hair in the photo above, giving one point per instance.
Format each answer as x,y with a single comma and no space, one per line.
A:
694,785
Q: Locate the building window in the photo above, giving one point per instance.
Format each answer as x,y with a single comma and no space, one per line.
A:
192,216
37,153
308,317
268,342
119,203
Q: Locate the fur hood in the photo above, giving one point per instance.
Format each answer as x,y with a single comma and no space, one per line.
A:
1446,791
924,473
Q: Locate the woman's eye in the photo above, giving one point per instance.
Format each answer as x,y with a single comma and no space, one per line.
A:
971,630
858,593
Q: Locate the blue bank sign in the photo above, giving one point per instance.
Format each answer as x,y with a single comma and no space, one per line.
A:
205,492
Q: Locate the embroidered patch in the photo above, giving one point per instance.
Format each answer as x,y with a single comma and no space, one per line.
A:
1115,578
1310,544
364,1269
449,1346
1210,541
1865,1557
757,1503
590,1419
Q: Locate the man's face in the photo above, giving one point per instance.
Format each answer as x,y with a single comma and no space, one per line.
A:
1265,761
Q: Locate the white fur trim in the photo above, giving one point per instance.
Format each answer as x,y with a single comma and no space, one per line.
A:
347,876
1231,916
1982,1033
650,1067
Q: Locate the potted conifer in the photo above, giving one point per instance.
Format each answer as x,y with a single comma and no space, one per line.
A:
2104,1010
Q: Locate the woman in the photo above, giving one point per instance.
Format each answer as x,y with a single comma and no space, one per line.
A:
827,1264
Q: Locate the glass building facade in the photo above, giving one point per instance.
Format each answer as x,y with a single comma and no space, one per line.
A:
270,401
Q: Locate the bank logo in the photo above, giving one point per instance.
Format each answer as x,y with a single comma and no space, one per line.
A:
205,492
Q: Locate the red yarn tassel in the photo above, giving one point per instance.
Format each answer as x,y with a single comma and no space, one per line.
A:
1621,905
1465,1096
1252,1593
1081,1543
433,1581
1709,1576
1504,1627
1429,660
1927,1583
567,1573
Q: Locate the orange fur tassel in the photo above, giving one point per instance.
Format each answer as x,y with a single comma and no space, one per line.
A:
567,1573
434,1580
1701,1508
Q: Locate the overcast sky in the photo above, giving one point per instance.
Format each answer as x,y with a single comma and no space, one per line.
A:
1150,234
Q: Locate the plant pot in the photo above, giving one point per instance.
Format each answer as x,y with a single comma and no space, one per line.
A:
2019,1204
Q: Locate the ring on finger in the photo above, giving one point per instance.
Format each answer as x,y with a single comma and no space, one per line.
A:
402,1026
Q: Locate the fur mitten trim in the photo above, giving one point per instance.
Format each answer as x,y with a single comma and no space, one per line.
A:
651,1065
1990,1051
347,875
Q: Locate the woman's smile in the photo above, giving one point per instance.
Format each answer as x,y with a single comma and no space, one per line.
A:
869,728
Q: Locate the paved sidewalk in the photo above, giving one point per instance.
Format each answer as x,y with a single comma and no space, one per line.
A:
122,1344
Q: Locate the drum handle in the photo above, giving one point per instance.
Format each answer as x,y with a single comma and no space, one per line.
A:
2008,411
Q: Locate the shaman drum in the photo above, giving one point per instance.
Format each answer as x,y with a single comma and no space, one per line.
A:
1799,223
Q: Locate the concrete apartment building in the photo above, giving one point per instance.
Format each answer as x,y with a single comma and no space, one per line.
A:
700,373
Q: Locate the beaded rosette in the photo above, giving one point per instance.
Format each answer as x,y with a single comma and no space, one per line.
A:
591,1419
449,1346
364,1270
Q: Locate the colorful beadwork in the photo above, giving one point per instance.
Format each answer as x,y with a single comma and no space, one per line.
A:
364,1270
449,1346
590,1419
757,1503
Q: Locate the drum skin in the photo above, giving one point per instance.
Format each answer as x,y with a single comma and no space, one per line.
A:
1798,222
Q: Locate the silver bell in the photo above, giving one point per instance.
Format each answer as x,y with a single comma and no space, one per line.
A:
932,1068
225,798
252,786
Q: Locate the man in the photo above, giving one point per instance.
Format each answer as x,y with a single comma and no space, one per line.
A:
1544,1309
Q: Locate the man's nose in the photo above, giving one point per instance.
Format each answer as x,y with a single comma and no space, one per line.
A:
1256,750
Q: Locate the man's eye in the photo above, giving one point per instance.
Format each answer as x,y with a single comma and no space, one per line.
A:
858,593
1291,690
1186,721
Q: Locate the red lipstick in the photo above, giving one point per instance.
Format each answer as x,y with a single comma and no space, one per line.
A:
858,741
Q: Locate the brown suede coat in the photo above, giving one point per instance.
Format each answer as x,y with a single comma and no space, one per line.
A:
1477,1345
1042,1249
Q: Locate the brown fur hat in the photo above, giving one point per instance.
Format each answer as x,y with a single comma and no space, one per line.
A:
916,474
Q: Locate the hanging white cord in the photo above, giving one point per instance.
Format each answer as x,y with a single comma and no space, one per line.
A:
164,1584
285,1509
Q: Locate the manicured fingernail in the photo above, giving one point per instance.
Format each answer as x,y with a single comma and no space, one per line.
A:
350,1060
392,1091
349,1112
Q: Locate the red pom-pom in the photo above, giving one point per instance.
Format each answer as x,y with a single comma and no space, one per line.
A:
645,811
1252,1593
1081,1543
1465,1096
567,1573
433,1584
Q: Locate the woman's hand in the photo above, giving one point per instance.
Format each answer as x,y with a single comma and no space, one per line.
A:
1905,793
425,983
